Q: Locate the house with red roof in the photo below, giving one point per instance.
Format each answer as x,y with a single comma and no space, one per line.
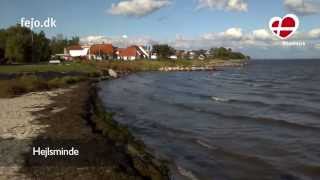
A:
107,52
102,51
132,53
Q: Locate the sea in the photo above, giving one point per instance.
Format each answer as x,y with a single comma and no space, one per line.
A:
259,122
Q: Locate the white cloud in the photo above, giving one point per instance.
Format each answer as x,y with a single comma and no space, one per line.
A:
302,7
261,34
234,38
137,8
231,5
119,41
229,34
96,39
314,33
233,33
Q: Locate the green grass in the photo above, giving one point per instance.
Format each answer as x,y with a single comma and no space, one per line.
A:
66,67
31,83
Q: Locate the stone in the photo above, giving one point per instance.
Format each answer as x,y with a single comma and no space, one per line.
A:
112,73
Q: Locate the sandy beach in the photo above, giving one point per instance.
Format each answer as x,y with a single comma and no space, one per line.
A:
18,127
64,117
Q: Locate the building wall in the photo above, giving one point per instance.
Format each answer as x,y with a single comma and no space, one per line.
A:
78,53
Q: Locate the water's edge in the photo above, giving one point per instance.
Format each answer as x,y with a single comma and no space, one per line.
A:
147,165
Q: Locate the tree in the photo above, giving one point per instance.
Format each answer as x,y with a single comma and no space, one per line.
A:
18,44
223,53
58,43
41,47
3,40
74,41
21,45
163,50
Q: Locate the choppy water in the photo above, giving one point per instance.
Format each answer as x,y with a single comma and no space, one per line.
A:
257,122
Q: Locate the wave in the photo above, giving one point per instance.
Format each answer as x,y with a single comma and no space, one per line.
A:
218,99
306,111
265,120
266,95
239,117
241,102
186,173
308,94
277,122
206,145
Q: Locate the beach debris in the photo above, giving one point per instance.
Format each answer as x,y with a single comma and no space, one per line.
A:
193,68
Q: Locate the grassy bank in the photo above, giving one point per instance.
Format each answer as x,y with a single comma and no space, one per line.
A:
32,83
65,67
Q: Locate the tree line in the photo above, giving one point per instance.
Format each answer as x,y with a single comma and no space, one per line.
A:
224,53
21,45
164,51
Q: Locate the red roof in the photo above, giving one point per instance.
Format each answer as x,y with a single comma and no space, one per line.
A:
130,51
102,48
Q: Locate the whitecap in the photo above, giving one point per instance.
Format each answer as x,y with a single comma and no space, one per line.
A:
186,173
219,99
206,145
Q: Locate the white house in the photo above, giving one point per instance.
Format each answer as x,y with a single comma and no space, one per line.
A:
78,51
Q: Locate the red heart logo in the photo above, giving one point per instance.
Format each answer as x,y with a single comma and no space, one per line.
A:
284,27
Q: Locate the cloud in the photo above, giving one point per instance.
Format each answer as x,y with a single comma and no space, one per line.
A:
302,7
234,38
233,33
119,41
229,34
314,33
261,34
137,8
230,5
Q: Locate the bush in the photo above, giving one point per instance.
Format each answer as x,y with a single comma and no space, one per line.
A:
31,83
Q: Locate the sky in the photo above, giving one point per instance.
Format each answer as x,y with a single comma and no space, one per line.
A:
242,25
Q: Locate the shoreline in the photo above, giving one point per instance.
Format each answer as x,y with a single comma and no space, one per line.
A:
89,120
75,116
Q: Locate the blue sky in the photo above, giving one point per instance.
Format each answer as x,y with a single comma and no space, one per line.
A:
184,24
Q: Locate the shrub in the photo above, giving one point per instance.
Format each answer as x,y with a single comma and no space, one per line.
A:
30,83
